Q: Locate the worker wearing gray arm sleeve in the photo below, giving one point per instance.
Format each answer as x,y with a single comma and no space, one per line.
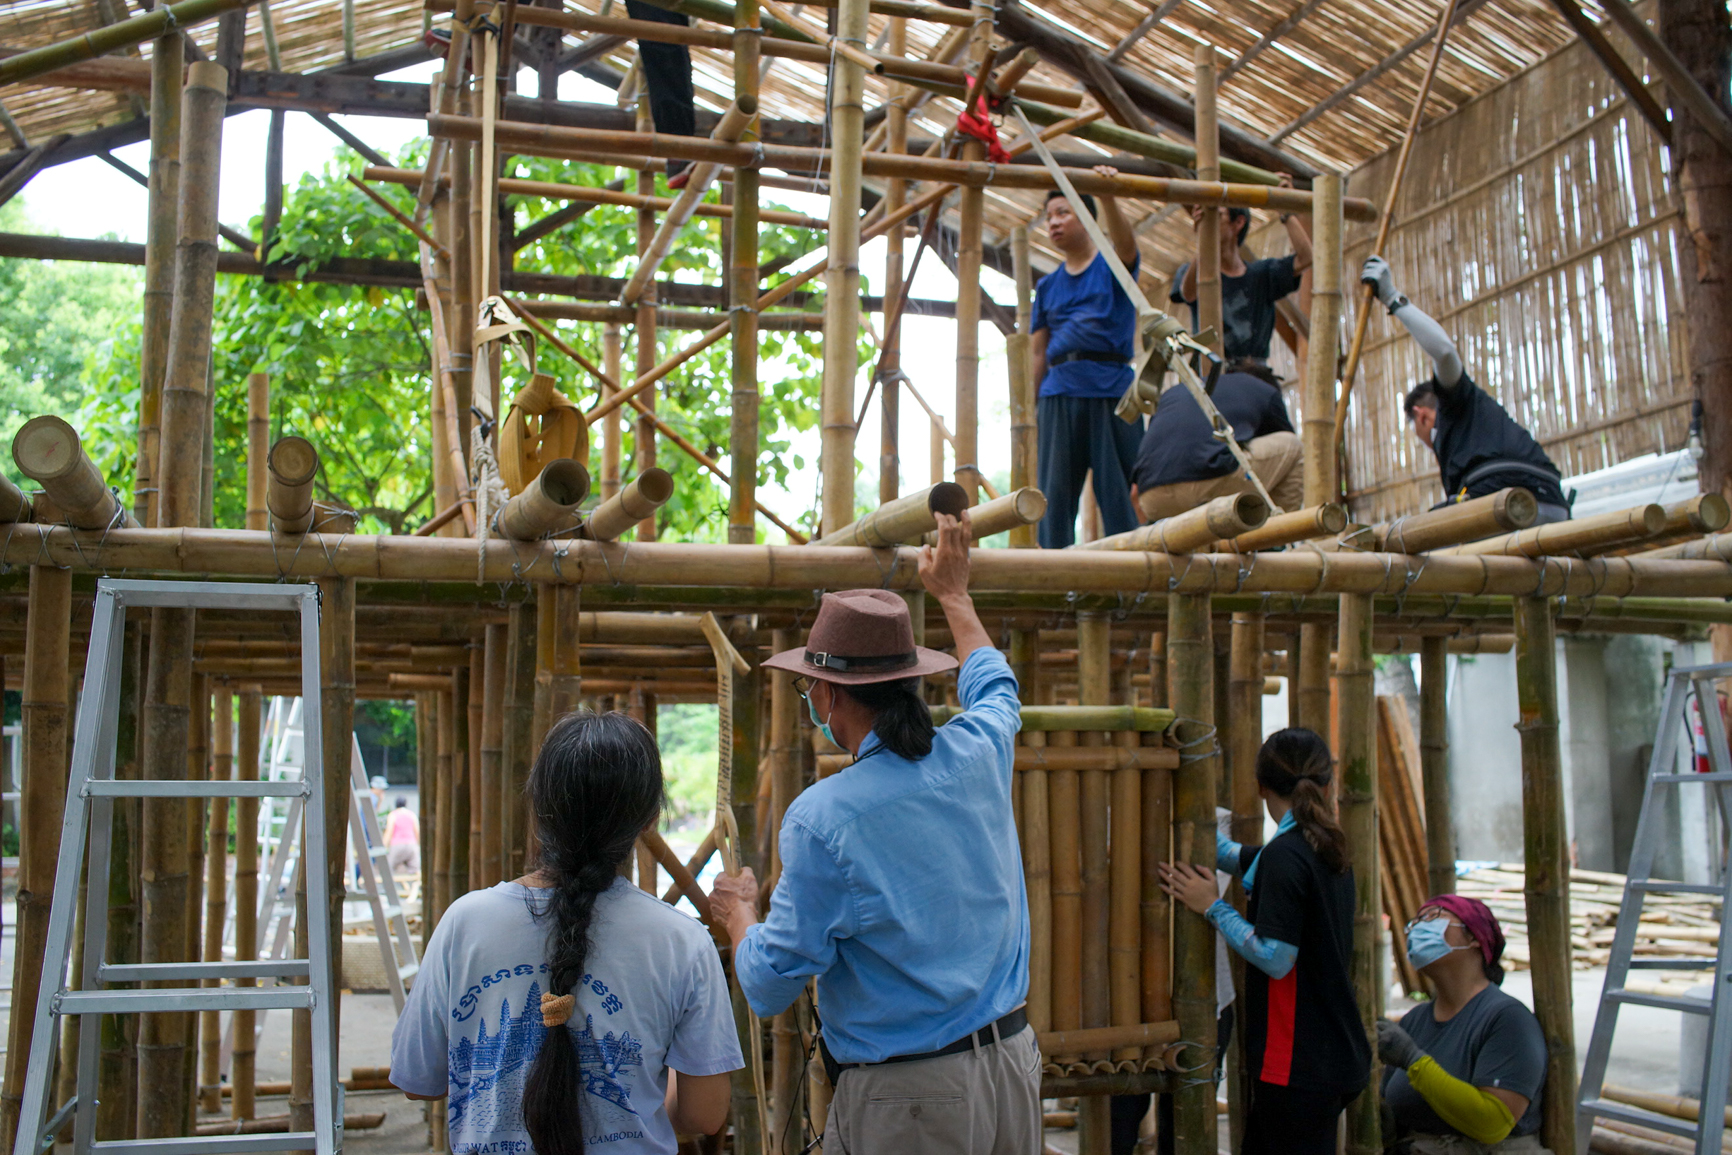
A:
1427,333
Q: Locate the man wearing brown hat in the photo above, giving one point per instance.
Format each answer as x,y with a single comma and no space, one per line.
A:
901,886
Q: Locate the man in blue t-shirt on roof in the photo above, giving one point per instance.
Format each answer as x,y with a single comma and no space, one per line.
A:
1084,330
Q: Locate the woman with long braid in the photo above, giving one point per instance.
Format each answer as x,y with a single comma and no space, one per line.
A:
568,1011
1305,1047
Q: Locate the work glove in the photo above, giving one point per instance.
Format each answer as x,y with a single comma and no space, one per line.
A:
1395,1047
1376,273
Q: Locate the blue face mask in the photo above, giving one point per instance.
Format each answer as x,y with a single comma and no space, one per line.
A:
823,726
1426,944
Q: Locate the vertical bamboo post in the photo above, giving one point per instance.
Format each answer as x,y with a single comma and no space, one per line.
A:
437,855
1191,682
1434,763
492,754
1356,755
786,1056
186,381
167,62
337,704
457,827
742,301
117,1069
475,713
1313,690
1094,688
1023,471
243,1062
44,713
1317,425
1125,930
611,351
463,299
1208,142
1545,838
842,273
747,726
259,447
546,645
1158,669
644,433
1064,809
518,747
1036,843
890,360
197,770
971,209
216,891
445,480
567,682
1245,703
427,803
1226,724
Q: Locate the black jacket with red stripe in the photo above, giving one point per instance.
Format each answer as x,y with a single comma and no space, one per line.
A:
1303,1030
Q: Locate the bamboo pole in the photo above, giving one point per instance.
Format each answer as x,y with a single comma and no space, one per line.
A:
1125,924
216,889
438,861
634,505
743,434
1245,693
44,713
1017,510
889,371
258,447
611,350
186,381
904,520
547,502
337,707
644,330
1434,764
292,465
1191,680
1094,688
566,682
786,1066
842,273
243,1071
971,208
169,18
1313,695
454,376
1316,427
1064,806
459,237
457,827
1286,528
1547,876
1205,62
1156,907
546,645
117,1067
518,746
167,59
1195,529
1356,755
49,452
1506,510
1567,537
492,868
14,505
1024,469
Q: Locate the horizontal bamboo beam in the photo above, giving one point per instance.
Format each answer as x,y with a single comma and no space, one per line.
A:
547,503
1566,537
1089,1039
786,322
1507,509
1693,517
1057,758
556,141
1287,528
905,520
109,38
1195,529
1145,719
1019,507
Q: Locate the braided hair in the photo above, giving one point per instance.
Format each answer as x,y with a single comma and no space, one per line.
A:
596,784
902,719
1296,766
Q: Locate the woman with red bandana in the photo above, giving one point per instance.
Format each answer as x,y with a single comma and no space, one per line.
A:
1462,1073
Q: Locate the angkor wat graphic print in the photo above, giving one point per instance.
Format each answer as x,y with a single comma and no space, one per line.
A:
488,1072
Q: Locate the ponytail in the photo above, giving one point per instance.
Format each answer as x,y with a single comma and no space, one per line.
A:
596,784
1296,766
904,720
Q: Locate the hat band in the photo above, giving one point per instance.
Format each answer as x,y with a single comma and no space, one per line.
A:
844,665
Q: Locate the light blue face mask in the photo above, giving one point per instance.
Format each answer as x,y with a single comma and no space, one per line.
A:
1426,944
823,726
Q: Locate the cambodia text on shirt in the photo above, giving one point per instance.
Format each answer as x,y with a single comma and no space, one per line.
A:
654,998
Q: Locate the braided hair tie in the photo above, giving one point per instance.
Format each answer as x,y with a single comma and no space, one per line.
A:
556,1009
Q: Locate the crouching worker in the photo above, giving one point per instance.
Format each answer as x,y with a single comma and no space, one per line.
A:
1182,464
901,885
1480,448
1462,1073
568,1010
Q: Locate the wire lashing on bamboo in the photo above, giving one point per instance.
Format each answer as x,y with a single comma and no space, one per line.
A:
547,502
1195,529
907,519
1506,510
292,465
49,452
1287,528
648,492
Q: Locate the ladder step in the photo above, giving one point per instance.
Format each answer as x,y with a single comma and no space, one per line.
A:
1711,777
378,851
209,1144
1624,1113
408,970
183,999
149,972
1687,1003
1661,885
1674,963
166,788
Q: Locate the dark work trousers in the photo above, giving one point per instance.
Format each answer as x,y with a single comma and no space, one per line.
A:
1128,1110
1076,434
667,74
1283,1121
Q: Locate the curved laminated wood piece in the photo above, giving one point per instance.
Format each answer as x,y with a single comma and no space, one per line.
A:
648,492
1569,537
1195,529
547,503
1507,509
292,464
49,452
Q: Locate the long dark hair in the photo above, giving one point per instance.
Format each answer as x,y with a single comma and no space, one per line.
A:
904,721
1296,765
596,783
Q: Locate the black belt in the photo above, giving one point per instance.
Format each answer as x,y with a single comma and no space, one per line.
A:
1087,355
1504,465
1010,1025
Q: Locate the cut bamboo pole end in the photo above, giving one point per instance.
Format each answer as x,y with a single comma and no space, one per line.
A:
547,503
292,464
1503,511
1287,528
907,519
1225,517
49,452
648,492
1568,537
1019,507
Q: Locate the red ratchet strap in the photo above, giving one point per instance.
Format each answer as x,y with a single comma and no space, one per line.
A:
979,125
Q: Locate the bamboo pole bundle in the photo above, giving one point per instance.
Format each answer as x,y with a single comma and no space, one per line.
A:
494,672
1400,832
243,1069
1546,842
14,505
216,889
546,503
292,465
633,505
1503,511
50,453
167,60
1317,426
517,747
1434,765
1356,757
1286,528
258,447
906,519
1195,529
1064,806
1565,537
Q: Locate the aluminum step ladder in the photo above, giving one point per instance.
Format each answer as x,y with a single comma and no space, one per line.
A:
1686,687
379,888
91,791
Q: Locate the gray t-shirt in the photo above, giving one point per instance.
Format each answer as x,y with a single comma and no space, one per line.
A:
654,998
1494,1041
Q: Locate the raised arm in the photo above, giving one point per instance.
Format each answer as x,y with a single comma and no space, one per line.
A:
944,571
1427,333
1113,218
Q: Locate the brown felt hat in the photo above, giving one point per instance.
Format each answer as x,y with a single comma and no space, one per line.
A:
859,637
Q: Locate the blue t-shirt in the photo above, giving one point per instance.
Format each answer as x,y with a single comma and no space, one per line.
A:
1086,312
654,998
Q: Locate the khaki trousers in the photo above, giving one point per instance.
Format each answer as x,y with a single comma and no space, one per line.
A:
1275,459
980,1102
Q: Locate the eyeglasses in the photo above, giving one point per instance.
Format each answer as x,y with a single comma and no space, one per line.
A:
1432,916
803,686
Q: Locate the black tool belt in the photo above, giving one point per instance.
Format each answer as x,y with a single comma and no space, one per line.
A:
1503,465
1009,1025
1087,355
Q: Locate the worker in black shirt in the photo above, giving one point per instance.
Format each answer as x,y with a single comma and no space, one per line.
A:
1306,1050
1249,289
667,78
1480,449
1182,464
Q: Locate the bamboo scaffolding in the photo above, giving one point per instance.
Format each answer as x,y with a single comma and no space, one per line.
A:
1434,765
1506,510
1195,529
904,520
1356,757
292,465
1320,464
547,502
1547,885
1567,537
216,889
49,452
167,57
1286,529
243,1065
631,506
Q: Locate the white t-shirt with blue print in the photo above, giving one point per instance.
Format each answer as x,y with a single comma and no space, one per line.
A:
654,998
